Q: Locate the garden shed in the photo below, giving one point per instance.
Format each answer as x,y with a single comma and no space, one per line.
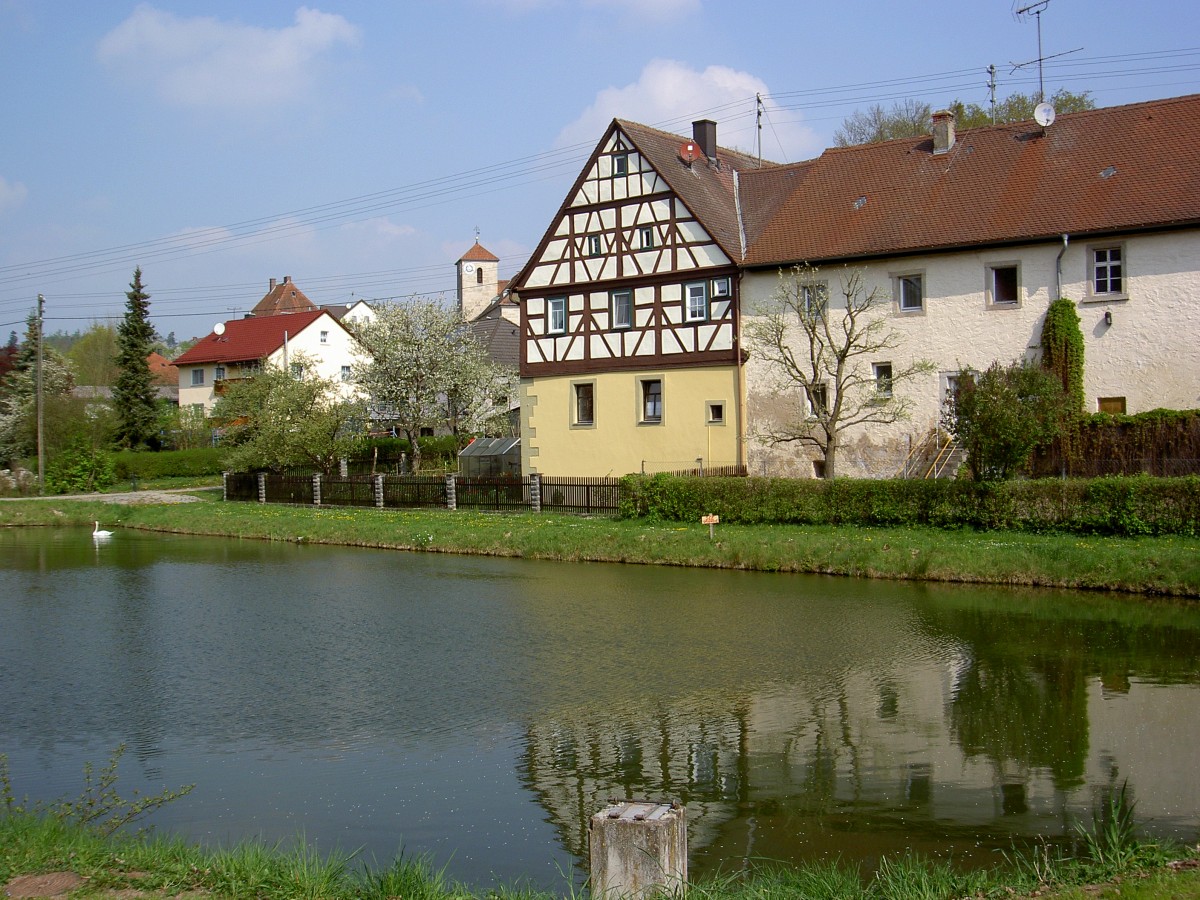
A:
490,456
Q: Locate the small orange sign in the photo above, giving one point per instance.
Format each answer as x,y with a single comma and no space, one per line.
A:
710,520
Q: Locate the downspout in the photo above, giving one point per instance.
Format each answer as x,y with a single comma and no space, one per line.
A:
1058,267
739,394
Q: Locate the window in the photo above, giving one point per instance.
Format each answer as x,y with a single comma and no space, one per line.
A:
716,413
1112,405
556,315
620,164
1107,274
585,404
622,309
814,299
818,400
696,299
1002,285
910,292
479,274
298,371
345,373
720,287
594,245
646,237
219,373
324,337
652,406
883,381
197,377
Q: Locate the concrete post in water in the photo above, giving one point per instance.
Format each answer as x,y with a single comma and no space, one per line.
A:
451,493
316,488
535,492
379,491
262,487
638,848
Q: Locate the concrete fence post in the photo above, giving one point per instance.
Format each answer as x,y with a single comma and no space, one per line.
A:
316,488
637,849
451,493
262,487
379,491
535,492
224,487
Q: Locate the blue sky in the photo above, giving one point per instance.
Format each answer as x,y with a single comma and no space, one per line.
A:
357,145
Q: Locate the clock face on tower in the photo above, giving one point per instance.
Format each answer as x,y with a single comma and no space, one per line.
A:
468,268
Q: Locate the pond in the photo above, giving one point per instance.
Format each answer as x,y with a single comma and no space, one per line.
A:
477,711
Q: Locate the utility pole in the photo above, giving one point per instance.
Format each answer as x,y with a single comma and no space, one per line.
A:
41,453
992,91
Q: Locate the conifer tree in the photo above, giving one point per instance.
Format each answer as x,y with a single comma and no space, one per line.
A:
133,394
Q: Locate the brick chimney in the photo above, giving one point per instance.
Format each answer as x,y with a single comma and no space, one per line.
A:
272,287
704,133
943,131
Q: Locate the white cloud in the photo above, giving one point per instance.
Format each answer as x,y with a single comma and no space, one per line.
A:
12,194
671,91
205,62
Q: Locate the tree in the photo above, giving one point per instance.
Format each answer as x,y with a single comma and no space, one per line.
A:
276,420
134,397
911,118
8,355
426,371
825,359
1002,415
62,413
94,356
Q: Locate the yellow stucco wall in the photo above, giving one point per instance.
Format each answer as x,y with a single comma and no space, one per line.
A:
619,442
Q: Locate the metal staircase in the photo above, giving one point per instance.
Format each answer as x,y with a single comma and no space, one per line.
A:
937,455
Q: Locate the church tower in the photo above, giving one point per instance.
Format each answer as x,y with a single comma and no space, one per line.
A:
478,281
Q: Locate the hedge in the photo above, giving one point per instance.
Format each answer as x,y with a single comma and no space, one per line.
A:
165,463
1139,505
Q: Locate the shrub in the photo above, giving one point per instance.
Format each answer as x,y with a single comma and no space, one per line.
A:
167,463
79,469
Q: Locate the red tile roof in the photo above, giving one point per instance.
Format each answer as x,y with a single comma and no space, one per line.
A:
1106,170
478,254
247,340
283,297
162,370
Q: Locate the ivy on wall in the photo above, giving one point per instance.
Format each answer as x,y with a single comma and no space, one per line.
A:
1062,350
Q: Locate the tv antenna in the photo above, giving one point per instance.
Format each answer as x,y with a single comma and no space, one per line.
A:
1036,9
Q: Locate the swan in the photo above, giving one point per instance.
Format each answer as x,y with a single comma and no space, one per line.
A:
100,532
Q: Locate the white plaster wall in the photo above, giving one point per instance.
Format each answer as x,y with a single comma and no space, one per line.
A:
1147,355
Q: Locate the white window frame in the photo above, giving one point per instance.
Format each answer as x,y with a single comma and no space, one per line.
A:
620,163
815,293
695,311
595,246
722,287
647,416
556,315
990,292
346,374
614,305
815,407
646,237
197,378
902,281
1094,264
715,412
884,383
218,373
324,337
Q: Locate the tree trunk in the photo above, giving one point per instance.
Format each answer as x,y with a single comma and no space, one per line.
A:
831,448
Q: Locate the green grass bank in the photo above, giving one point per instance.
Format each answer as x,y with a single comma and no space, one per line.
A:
1156,565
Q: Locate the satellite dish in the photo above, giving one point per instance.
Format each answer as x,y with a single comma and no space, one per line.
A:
1043,114
219,329
689,152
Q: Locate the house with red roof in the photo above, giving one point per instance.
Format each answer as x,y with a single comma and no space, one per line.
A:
634,303
234,349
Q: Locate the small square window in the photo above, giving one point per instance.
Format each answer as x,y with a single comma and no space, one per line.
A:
716,413
1114,406
594,245
652,401
1108,276
197,377
910,290
696,308
646,237
1004,286
883,381
556,315
622,309
620,164
324,337
720,287
585,404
